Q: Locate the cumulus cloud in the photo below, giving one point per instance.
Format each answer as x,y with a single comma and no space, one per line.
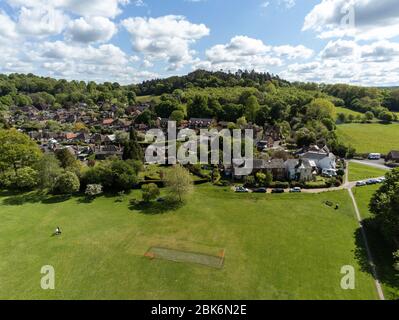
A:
8,28
91,29
165,38
243,52
339,49
41,21
348,61
362,19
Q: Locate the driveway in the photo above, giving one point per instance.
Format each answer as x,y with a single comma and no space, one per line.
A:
380,164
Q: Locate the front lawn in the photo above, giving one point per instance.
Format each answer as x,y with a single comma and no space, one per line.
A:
358,172
289,246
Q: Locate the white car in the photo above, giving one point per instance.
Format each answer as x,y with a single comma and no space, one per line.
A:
361,183
242,190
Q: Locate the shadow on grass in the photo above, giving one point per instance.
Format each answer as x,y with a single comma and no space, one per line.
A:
18,199
382,255
153,208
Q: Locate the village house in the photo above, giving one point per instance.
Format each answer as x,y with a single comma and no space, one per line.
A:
322,158
393,156
300,169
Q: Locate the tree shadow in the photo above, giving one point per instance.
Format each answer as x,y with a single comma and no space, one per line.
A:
382,255
18,199
154,208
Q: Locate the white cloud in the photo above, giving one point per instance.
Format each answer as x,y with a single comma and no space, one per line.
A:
293,52
343,61
41,21
8,28
103,8
91,29
243,52
165,38
361,19
339,49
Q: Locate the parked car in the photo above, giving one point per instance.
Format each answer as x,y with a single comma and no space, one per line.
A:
241,190
374,156
296,190
278,190
260,190
361,184
372,181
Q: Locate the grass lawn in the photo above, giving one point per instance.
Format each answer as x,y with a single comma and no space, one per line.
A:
359,172
382,251
277,247
369,138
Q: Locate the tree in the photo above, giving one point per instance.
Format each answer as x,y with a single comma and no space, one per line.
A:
67,183
369,116
321,108
385,206
17,150
242,122
66,158
386,116
179,183
132,149
150,192
23,179
177,116
48,170
93,190
113,175
251,108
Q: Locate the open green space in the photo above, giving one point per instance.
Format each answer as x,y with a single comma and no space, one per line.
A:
276,247
358,172
369,138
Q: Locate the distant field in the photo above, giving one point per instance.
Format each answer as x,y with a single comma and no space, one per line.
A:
382,252
270,252
359,172
368,138
143,99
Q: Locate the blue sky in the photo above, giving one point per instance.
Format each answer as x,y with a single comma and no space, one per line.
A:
351,41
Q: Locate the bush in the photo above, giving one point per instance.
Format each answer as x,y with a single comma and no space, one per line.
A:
150,192
280,184
23,179
93,190
67,183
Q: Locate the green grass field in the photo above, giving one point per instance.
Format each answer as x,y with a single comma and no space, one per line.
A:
369,138
272,252
359,172
382,252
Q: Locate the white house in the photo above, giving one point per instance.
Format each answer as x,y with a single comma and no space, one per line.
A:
300,169
324,159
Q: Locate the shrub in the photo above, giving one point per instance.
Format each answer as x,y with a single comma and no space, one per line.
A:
93,190
67,183
150,192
